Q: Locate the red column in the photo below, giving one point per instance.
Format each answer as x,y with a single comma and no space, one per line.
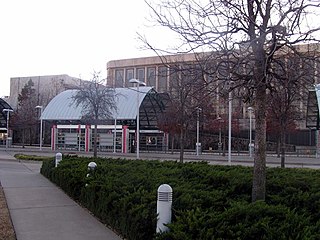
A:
87,138
125,134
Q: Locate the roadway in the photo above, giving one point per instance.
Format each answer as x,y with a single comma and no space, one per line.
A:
307,161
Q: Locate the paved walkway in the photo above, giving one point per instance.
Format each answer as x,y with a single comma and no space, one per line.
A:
40,210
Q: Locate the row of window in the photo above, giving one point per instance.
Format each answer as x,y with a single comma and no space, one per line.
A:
152,76
76,130
67,140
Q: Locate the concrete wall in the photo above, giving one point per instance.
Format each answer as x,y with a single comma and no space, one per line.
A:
46,87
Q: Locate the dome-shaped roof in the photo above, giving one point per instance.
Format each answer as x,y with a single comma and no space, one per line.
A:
62,106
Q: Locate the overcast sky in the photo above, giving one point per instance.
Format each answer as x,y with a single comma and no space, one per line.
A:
74,37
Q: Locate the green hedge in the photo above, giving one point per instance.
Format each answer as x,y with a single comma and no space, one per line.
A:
32,157
209,202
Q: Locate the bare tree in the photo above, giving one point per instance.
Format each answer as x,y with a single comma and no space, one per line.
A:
294,75
167,123
188,95
97,102
245,36
281,118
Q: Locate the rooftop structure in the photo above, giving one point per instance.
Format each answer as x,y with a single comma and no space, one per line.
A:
46,87
63,109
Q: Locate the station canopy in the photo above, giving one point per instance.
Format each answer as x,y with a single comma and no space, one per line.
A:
63,109
313,120
3,115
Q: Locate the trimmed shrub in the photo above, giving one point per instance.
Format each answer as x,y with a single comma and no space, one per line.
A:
209,202
32,157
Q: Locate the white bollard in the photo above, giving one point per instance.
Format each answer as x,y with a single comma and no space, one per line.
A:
91,167
164,205
58,158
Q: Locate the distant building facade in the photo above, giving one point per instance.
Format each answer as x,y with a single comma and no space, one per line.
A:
151,70
46,87
156,72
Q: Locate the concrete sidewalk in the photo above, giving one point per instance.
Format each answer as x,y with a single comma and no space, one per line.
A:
40,210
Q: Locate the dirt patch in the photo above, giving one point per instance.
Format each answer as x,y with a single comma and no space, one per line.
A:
6,227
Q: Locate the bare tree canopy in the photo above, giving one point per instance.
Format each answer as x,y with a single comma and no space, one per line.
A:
242,40
97,101
206,24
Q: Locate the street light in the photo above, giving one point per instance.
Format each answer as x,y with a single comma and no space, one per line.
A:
250,109
8,114
198,143
229,126
138,82
220,142
40,138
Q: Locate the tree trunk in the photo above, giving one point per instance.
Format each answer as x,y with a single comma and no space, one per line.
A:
95,153
259,170
283,148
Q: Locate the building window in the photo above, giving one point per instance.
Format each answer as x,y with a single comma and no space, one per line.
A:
129,75
174,80
162,79
140,74
119,78
151,77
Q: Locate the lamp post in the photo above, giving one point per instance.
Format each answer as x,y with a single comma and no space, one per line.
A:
40,138
219,143
229,127
8,116
250,109
198,143
138,83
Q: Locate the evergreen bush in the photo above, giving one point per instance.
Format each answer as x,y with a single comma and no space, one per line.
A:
209,202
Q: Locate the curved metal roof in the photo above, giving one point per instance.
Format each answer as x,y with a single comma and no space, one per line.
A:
62,107
3,115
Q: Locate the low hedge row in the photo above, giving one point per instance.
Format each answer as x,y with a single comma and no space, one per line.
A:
21,156
209,202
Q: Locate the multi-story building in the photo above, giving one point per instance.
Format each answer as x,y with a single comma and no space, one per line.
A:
156,71
151,70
